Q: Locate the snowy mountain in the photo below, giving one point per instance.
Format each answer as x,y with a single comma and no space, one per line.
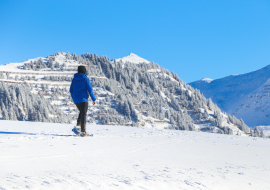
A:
48,156
132,58
128,93
246,96
208,80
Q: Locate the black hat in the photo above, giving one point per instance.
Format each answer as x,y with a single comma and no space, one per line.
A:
82,69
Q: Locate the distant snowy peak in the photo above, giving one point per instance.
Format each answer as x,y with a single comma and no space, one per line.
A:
208,80
245,96
133,58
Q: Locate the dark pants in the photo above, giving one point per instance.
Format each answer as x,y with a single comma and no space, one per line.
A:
83,107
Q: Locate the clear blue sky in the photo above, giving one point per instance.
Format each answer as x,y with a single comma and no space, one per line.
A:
194,38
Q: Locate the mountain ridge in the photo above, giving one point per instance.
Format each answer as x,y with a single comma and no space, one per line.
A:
230,92
137,94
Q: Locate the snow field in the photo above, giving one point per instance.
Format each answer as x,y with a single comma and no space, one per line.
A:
48,156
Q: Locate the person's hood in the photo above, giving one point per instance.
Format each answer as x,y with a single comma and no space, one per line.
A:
79,76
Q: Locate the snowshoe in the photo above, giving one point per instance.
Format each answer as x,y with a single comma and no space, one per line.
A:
76,131
81,134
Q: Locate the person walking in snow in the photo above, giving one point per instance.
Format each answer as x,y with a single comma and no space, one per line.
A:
79,87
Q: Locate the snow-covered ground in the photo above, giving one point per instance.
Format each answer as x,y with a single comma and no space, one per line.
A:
265,129
48,156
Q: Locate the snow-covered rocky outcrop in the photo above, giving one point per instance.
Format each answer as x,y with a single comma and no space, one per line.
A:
132,92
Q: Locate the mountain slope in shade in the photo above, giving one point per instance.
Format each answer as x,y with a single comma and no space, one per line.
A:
255,109
132,58
234,93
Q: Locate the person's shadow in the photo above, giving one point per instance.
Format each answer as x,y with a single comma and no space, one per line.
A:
23,133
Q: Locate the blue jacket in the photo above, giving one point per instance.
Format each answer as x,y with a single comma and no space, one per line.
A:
79,87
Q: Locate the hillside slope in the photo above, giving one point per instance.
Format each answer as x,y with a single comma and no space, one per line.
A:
239,95
135,94
48,156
